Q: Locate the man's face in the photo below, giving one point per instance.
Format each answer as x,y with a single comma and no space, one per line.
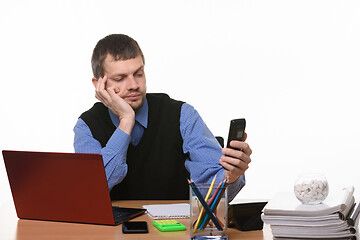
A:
128,77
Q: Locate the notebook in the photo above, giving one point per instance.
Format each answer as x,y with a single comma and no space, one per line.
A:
67,187
167,211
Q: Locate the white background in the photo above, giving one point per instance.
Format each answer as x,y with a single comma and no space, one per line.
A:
291,68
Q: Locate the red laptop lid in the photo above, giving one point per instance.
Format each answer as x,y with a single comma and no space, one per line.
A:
68,187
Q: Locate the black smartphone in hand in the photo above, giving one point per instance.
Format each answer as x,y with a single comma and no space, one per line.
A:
135,227
236,130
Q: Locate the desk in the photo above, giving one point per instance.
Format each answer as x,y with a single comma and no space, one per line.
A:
12,228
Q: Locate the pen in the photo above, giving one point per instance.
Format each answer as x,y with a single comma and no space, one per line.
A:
205,205
216,193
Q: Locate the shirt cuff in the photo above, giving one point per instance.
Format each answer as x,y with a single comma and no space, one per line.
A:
235,187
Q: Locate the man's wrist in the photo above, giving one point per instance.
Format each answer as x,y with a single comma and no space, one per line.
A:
126,124
231,177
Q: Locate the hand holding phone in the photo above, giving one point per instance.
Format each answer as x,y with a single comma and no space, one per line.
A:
235,163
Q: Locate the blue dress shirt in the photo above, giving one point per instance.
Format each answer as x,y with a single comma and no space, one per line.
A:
198,142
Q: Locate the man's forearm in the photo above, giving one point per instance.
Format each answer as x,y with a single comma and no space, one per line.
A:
114,153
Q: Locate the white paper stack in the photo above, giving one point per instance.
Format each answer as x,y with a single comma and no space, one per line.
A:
290,219
168,211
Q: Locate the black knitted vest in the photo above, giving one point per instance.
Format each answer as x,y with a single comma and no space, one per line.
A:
156,166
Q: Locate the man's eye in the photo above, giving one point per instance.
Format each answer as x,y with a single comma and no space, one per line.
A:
140,74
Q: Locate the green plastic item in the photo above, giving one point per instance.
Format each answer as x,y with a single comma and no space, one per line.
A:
169,225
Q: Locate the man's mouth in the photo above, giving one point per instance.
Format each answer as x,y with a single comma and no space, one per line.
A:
133,96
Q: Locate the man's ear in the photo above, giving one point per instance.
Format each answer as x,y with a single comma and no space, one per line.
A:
94,81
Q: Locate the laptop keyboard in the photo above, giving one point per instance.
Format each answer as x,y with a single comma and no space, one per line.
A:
124,214
119,215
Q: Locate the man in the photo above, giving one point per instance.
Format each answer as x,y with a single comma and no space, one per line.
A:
150,143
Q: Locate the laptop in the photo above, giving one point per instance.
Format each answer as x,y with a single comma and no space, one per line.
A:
66,187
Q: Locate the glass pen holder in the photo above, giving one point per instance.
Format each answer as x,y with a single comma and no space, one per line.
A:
202,225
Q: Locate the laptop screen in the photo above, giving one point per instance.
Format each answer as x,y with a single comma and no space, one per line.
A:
69,187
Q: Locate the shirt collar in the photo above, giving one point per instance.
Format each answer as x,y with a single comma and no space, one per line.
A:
141,115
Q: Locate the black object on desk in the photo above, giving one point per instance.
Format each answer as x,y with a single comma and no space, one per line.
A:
355,214
246,216
135,227
122,214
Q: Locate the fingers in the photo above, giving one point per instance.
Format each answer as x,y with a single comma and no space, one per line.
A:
236,161
109,95
237,154
236,158
241,145
112,92
101,92
235,167
245,137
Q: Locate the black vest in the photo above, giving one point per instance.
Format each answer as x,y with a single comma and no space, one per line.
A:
156,166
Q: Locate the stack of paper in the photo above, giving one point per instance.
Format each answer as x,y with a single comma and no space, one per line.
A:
290,219
167,211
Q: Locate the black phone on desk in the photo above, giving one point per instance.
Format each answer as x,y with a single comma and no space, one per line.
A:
236,130
135,227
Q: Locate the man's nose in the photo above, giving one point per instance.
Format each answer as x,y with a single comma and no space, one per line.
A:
133,83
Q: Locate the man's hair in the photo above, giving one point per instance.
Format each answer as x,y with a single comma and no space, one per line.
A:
119,46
